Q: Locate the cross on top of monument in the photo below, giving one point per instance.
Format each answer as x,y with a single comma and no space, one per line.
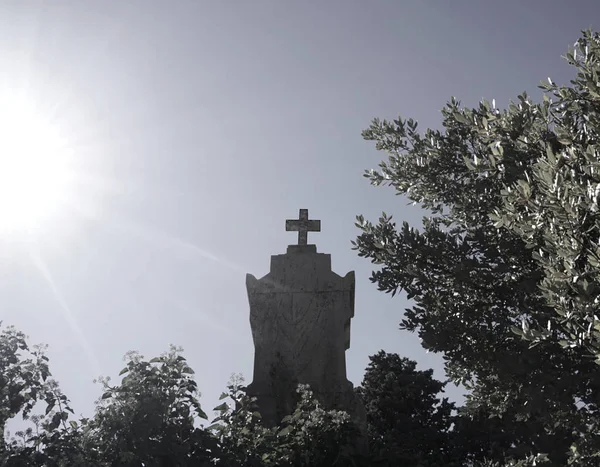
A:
302,225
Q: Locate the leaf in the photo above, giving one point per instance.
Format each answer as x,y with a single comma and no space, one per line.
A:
517,331
106,395
223,395
187,370
56,419
525,188
460,118
468,163
123,371
550,154
222,407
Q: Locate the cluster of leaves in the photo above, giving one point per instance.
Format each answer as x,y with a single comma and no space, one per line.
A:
149,419
553,207
24,382
310,435
504,272
152,418
408,424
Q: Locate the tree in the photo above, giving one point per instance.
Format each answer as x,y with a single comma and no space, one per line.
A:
152,417
408,424
504,273
24,382
149,419
310,435
22,377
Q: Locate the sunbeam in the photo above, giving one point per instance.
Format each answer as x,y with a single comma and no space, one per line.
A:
166,241
205,318
67,313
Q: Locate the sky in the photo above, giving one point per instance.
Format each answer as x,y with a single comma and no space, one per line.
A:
193,129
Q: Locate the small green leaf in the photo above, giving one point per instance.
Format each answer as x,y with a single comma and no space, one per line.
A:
123,371
286,419
460,118
215,426
56,419
222,407
223,396
517,331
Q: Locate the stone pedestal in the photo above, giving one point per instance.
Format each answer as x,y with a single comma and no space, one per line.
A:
300,318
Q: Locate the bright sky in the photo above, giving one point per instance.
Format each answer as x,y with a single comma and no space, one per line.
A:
193,129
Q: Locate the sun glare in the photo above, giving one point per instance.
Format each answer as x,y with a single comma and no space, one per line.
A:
33,166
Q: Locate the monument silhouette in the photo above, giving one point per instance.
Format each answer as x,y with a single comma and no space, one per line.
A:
300,315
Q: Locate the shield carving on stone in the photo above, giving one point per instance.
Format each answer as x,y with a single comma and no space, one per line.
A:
303,325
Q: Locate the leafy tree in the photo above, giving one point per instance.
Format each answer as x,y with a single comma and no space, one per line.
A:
24,382
310,435
242,438
553,206
408,424
151,417
48,445
318,437
23,374
504,272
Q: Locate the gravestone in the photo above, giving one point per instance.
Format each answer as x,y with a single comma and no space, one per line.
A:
300,316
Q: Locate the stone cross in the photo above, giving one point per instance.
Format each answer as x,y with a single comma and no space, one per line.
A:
302,225
300,315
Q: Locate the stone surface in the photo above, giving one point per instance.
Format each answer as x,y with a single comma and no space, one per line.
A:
300,316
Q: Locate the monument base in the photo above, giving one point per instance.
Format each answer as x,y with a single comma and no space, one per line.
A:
274,406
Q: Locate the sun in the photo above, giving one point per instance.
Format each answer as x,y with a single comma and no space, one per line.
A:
33,166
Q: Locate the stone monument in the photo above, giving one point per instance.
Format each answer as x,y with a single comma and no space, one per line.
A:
300,316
